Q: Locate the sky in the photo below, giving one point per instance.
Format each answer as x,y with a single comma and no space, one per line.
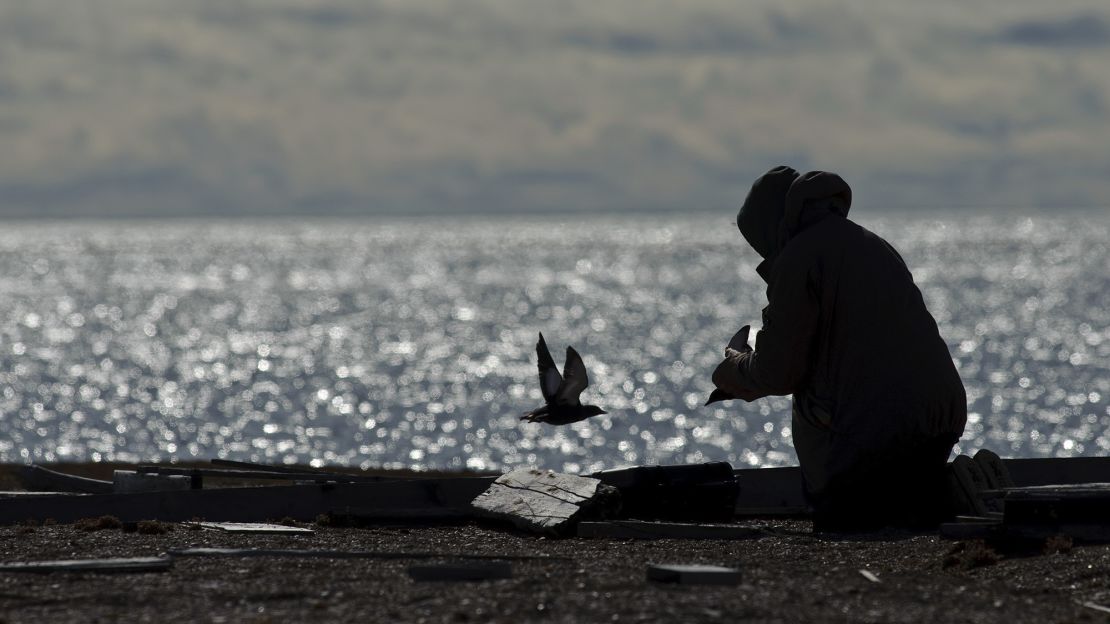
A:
165,108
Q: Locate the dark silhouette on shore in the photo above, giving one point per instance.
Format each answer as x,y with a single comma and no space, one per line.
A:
878,403
561,392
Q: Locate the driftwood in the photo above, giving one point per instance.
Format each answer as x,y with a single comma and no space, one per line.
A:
545,501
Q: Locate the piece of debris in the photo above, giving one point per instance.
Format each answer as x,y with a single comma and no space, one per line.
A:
462,571
137,564
639,529
1095,606
546,501
254,527
693,574
971,554
869,575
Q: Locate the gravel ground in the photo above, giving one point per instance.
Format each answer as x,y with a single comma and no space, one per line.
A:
789,575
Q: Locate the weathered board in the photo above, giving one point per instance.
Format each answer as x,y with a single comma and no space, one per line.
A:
104,566
545,501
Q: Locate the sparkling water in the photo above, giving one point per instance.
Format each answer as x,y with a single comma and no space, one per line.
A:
411,343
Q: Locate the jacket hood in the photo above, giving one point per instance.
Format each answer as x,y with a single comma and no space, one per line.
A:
813,197
760,217
782,203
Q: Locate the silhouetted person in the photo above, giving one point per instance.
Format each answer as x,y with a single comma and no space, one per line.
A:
878,404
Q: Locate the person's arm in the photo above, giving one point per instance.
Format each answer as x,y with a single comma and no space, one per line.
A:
782,355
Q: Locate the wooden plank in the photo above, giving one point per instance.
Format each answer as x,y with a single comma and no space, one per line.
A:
635,529
104,566
543,501
253,527
320,472
37,478
693,574
684,492
778,491
253,504
260,475
462,571
770,491
1079,511
254,466
1058,470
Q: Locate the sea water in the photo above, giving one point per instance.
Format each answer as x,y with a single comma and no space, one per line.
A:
411,343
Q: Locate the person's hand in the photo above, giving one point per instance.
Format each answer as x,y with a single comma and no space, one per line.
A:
727,375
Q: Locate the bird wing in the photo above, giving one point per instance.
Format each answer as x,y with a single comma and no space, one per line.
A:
550,379
575,380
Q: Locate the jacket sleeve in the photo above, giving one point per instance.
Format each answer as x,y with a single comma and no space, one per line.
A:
782,357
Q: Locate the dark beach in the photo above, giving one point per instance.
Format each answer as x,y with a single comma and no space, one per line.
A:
788,575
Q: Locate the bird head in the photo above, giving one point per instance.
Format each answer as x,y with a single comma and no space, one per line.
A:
593,410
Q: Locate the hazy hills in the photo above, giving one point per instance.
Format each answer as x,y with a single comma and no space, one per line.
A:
236,107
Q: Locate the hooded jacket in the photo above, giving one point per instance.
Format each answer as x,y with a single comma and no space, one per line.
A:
845,331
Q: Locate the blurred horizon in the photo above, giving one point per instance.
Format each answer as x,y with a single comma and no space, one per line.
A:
351,108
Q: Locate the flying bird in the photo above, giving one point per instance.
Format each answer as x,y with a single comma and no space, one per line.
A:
739,343
561,392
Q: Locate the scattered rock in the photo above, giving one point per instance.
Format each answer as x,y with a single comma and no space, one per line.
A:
1057,544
